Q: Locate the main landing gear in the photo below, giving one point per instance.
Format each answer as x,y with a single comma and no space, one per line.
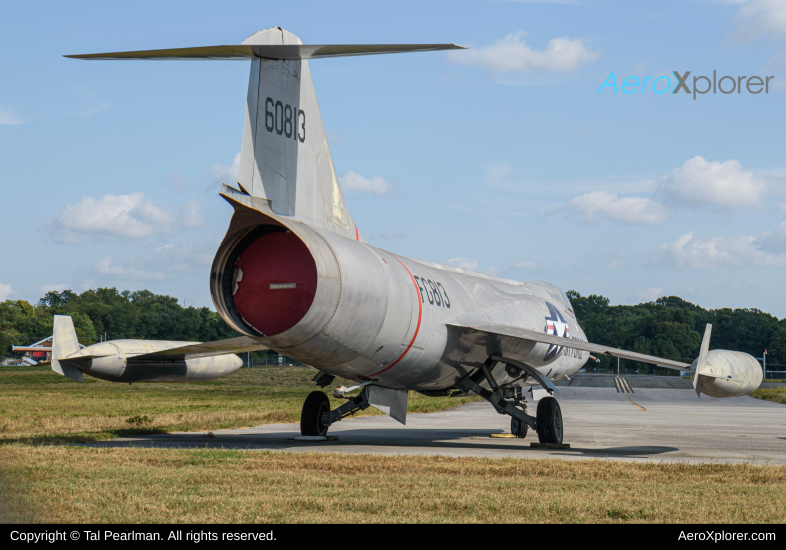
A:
316,417
549,421
510,400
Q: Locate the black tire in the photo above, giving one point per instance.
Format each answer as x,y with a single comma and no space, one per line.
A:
549,421
315,406
518,428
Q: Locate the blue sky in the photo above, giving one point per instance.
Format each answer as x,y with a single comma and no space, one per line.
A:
503,158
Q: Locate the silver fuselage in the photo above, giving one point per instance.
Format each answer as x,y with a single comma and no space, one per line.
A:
376,315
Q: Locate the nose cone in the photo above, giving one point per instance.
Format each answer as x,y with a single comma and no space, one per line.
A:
275,283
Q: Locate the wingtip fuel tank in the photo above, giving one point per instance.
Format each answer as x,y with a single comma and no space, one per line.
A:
133,360
728,374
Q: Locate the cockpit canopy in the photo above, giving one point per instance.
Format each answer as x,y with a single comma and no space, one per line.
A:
555,293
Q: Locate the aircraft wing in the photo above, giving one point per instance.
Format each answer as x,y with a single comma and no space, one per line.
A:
535,336
242,344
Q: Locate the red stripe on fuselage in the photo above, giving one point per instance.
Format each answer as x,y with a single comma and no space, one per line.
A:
417,328
357,234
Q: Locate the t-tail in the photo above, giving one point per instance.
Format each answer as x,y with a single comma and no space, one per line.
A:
285,156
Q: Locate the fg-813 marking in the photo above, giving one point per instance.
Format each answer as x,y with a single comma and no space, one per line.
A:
283,118
433,291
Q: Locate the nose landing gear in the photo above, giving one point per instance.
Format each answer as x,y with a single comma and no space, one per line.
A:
518,428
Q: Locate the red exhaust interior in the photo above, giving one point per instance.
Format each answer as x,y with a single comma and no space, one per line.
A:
278,283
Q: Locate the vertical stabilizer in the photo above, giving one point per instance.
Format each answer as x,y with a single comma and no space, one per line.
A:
285,157
64,343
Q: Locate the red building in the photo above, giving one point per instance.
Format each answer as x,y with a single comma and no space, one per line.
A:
40,351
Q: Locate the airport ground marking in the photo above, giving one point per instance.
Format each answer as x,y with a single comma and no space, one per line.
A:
624,387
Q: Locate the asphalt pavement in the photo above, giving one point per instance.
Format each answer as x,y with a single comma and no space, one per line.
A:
627,421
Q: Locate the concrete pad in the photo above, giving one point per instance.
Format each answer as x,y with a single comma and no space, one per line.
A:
651,424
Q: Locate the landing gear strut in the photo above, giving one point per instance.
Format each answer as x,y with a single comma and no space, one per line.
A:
548,422
317,417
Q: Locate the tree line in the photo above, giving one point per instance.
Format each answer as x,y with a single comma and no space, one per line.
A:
668,327
672,327
105,312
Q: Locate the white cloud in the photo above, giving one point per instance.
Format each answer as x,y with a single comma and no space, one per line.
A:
5,292
495,173
614,259
757,19
511,54
190,216
774,241
493,270
734,286
124,271
524,264
121,216
648,295
7,119
352,181
633,210
57,288
335,138
723,184
175,180
470,264
224,173
183,258
392,235
688,252
166,262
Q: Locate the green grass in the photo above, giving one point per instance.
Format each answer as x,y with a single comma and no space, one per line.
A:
771,394
38,406
73,484
89,485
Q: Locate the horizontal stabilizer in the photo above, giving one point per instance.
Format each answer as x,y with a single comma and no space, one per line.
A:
535,336
271,51
242,344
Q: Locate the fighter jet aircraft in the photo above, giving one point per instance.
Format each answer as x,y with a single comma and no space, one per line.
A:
294,274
